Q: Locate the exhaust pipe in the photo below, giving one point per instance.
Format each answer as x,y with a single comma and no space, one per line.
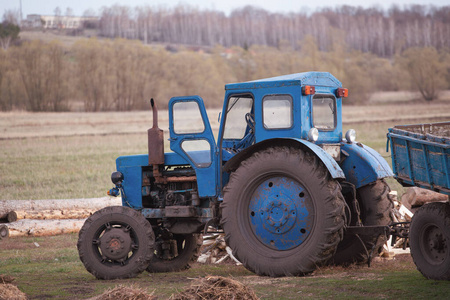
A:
155,140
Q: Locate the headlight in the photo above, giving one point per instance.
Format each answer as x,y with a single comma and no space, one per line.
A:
350,136
313,134
117,178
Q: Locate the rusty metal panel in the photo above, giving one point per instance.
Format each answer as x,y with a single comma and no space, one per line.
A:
155,146
155,140
180,211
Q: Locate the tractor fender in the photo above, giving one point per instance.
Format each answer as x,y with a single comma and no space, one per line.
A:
332,166
363,165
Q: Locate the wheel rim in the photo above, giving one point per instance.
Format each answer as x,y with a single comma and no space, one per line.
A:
115,243
434,245
281,213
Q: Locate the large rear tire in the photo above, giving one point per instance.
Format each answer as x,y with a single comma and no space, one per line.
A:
116,242
376,209
282,212
175,253
430,240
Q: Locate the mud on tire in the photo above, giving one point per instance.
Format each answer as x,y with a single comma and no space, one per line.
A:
282,212
116,242
376,209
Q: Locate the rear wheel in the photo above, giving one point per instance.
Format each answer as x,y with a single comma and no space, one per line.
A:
174,252
282,212
430,240
376,209
116,242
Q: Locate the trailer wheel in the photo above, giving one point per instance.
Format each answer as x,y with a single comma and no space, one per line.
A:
376,209
116,242
282,212
430,240
175,253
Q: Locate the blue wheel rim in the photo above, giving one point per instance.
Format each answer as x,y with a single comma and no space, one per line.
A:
281,213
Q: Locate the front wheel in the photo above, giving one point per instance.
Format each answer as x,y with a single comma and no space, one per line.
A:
116,242
174,252
430,240
282,212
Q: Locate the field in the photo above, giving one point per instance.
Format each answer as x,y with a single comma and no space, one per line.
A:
54,271
71,155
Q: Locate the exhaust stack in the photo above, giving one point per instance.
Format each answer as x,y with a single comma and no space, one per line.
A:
155,140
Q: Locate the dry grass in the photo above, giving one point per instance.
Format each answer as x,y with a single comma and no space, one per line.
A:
50,36
216,288
18,125
396,113
11,292
123,292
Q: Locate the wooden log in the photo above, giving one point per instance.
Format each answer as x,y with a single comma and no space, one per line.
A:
4,232
56,214
44,227
416,197
9,217
30,207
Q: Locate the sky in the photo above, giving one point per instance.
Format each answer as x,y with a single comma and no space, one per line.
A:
47,7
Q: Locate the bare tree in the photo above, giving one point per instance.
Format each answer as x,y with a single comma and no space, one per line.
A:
427,73
12,16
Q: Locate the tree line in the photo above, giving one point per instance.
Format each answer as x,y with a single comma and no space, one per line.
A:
119,74
381,32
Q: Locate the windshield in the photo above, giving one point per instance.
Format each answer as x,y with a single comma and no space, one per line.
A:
324,112
236,124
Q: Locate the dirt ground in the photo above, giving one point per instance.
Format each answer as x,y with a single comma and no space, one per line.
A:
49,268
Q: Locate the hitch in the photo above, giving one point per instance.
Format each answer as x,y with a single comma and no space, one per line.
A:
401,231
394,230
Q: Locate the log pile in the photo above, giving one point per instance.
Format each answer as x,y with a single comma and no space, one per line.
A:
48,217
215,250
416,197
404,210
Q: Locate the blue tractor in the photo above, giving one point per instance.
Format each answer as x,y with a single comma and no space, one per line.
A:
289,191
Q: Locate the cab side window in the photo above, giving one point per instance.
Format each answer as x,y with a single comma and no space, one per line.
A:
277,111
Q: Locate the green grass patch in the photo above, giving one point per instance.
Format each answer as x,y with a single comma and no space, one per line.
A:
62,167
54,271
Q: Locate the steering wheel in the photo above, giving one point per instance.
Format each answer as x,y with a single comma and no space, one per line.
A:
250,121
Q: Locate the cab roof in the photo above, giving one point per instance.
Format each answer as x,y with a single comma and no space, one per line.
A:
306,78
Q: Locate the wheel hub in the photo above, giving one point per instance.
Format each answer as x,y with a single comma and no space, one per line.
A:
435,244
280,213
278,216
115,244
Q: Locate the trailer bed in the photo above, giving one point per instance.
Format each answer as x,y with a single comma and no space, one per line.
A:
421,155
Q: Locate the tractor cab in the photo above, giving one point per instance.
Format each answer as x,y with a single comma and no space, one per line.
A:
306,107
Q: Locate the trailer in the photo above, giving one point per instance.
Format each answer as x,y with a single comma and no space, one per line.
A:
421,157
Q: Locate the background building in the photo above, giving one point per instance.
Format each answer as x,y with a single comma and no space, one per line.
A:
57,22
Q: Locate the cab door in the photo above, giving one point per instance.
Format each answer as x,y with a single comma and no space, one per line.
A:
191,137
